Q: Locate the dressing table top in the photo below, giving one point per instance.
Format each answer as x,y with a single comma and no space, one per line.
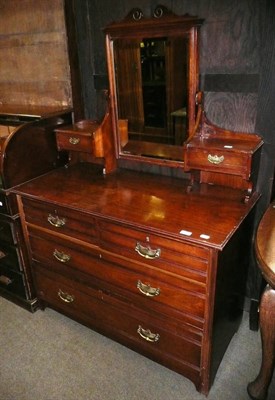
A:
209,215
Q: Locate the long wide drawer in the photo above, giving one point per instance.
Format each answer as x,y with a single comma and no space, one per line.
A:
175,256
151,287
159,339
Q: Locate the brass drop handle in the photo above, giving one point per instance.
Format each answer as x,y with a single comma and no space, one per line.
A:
147,335
66,297
215,159
147,252
60,256
74,140
56,221
147,290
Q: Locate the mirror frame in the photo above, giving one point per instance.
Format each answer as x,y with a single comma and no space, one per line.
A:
162,23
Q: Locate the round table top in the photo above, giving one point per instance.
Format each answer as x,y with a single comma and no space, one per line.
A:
265,245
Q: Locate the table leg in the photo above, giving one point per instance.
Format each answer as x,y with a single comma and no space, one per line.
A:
258,389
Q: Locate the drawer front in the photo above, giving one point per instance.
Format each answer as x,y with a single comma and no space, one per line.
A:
152,336
12,281
9,256
230,162
61,220
75,141
7,232
175,257
149,287
3,204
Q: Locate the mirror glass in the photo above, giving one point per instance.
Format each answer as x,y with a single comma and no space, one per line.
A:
153,75
152,81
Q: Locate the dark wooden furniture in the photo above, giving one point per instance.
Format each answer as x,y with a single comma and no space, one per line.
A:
138,258
39,88
27,149
156,262
265,251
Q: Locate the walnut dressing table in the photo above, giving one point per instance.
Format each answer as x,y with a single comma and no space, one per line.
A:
141,260
154,261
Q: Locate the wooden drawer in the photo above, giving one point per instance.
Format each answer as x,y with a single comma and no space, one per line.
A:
154,288
171,255
8,204
12,281
83,136
75,141
3,203
61,220
7,232
219,160
178,345
9,256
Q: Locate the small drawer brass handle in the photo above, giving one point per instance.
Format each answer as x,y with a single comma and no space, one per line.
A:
74,140
215,159
147,252
66,297
147,335
60,256
56,221
147,290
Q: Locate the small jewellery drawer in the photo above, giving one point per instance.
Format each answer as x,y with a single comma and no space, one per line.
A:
150,287
9,256
153,336
12,281
83,136
75,141
60,219
218,160
170,255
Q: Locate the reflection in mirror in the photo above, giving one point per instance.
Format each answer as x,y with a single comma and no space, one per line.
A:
152,88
